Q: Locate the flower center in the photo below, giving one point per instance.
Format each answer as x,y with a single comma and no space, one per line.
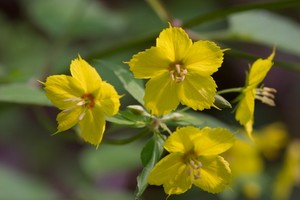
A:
194,165
266,95
89,100
177,72
86,100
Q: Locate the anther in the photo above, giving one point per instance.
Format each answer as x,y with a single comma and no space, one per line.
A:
266,95
81,116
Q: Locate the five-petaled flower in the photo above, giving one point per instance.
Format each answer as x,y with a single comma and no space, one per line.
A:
194,159
245,108
83,98
179,72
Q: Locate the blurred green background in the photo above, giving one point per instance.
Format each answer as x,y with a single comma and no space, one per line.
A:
40,38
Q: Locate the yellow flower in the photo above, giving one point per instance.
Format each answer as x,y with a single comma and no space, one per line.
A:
179,72
194,159
245,108
83,98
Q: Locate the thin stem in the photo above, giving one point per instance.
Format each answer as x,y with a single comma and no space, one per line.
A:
160,10
230,90
127,140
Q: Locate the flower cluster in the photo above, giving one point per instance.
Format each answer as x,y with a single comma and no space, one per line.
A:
179,72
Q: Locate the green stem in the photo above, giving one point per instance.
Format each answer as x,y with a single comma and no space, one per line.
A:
160,10
127,140
230,90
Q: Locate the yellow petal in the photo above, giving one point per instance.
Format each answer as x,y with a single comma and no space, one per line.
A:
149,63
172,173
181,181
213,141
204,57
174,42
197,91
92,126
259,70
162,171
60,89
68,119
161,95
181,140
215,174
108,99
86,75
245,108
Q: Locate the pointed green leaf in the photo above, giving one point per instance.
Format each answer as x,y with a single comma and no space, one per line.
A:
132,85
23,94
150,155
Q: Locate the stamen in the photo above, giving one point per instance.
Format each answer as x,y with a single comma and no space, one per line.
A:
265,95
68,110
177,72
81,116
177,66
194,166
80,103
172,75
72,99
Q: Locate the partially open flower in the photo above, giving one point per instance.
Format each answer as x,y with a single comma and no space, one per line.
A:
245,108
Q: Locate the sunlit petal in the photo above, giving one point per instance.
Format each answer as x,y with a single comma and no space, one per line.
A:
67,120
92,126
204,57
259,70
181,140
175,43
213,141
197,92
214,174
108,99
61,88
149,63
161,95
87,75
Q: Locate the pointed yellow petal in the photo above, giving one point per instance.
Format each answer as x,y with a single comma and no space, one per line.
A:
67,120
215,174
197,92
181,182
161,95
86,75
172,173
245,108
204,57
92,126
165,169
259,70
213,141
149,63
181,140
108,99
60,89
175,43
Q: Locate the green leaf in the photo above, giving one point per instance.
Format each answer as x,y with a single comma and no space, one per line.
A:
81,19
150,155
219,14
132,85
266,28
23,94
201,120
